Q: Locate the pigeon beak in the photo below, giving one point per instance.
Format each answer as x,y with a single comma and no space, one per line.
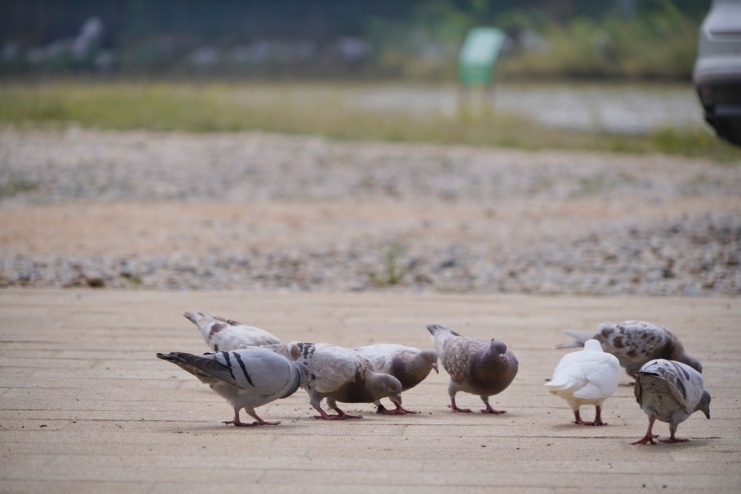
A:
707,414
434,366
396,399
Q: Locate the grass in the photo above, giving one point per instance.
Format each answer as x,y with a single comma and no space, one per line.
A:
310,108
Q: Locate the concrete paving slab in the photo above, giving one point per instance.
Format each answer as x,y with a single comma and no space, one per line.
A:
85,406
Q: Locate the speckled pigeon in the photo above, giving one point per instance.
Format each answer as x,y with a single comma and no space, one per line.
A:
226,335
340,374
634,343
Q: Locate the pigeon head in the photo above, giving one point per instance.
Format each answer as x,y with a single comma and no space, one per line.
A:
704,405
303,373
497,347
387,386
430,357
592,346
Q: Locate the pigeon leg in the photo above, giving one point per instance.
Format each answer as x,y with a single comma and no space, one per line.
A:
597,417
455,408
489,409
399,410
673,438
261,421
341,414
324,415
649,437
577,418
238,422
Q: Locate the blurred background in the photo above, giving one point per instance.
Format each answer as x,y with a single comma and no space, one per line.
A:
614,74
417,39
356,145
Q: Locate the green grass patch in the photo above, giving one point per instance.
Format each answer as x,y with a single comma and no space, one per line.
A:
324,109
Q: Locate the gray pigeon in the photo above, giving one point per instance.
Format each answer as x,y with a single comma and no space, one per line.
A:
246,378
588,377
634,343
226,335
670,392
340,374
483,368
407,364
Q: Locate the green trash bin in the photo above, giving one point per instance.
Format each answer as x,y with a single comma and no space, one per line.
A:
479,53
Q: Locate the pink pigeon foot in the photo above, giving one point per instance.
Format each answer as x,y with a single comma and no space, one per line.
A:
340,415
237,422
597,418
455,408
650,436
399,410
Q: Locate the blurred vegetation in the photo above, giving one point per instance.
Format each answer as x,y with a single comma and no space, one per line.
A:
310,108
420,39
659,41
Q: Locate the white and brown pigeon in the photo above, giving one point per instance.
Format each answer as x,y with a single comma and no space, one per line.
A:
670,392
226,335
407,364
479,367
634,343
340,374
246,378
588,377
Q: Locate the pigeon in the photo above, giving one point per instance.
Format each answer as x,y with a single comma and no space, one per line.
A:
226,335
669,391
340,374
588,377
407,364
484,368
634,343
246,378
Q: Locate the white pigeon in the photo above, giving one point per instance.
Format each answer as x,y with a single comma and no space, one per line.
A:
634,343
407,364
340,374
588,377
226,335
670,392
246,378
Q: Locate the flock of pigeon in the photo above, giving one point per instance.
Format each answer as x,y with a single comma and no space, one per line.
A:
250,367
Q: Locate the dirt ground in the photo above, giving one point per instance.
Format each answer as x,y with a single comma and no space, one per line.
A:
307,213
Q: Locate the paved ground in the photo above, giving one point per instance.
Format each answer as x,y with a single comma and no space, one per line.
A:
86,407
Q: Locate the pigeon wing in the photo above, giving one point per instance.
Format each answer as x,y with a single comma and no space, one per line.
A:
205,367
685,384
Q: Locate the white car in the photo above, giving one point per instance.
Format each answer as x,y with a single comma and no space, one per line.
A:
717,71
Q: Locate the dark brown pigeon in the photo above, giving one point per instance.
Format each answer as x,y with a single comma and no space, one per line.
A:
634,343
479,367
407,364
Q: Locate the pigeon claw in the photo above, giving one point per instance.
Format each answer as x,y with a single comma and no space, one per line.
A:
674,440
239,423
648,438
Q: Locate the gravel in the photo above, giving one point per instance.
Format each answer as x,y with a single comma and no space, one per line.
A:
254,211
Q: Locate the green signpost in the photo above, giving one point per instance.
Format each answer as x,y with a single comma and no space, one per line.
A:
478,55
